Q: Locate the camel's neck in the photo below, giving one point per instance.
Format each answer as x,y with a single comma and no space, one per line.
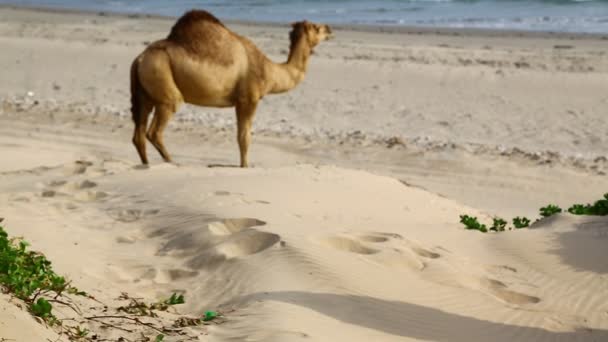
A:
285,76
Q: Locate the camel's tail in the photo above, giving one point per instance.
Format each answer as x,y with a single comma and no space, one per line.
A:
138,94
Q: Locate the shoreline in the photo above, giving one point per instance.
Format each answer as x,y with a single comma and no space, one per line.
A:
365,28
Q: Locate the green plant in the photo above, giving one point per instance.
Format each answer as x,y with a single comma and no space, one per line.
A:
210,315
498,224
471,222
164,305
139,308
578,209
175,299
159,338
599,208
550,210
28,275
521,222
42,308
81,332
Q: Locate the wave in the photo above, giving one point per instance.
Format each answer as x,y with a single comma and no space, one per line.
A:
544,15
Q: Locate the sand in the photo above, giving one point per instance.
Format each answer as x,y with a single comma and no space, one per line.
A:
346,228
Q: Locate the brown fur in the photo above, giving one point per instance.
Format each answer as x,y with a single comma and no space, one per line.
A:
136,92
297,31
204,63
198,33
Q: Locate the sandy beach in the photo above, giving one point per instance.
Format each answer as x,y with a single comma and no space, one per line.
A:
347,227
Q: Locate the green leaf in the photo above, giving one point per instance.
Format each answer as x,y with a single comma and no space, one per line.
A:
210,315
498,224
521,222
472,223
577,209
550,210
175,299
160,338
42,308
599,208
82,332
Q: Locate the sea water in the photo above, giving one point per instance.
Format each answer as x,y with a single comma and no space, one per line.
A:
538,15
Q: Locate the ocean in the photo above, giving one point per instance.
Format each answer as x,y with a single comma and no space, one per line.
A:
537,15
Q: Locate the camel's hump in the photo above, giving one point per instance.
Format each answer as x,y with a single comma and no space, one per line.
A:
189,22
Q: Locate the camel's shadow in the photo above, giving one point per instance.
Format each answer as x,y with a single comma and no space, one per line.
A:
222,165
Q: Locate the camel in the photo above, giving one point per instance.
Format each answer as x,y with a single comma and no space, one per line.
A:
204,63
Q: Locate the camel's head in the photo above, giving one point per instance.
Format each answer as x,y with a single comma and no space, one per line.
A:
314,33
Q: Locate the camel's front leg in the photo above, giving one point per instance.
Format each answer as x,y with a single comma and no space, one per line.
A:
245,112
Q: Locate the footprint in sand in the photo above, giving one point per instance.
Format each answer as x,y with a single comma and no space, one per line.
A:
91,195
246,243
501,291
240,239
216,242
386,249
56,183
65,206
385,236
161,276
131,237
425,253
404,253
131,215
231,226
501,269
234,238
348,244
362,244
77,168
48,193
126,239
85,184
111,166
373,238
62,187
148,273
392,250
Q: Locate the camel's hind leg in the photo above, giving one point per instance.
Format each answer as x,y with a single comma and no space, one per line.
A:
162,115
244,118
141,124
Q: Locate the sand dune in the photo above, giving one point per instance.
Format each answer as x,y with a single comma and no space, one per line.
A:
347,227
347,256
